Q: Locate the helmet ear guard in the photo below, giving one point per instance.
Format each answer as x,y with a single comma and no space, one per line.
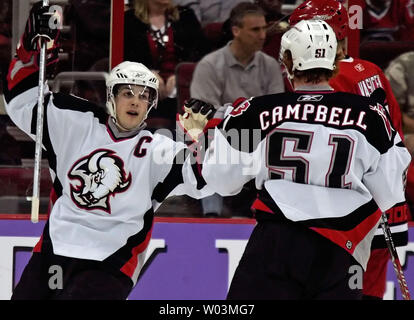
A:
132,73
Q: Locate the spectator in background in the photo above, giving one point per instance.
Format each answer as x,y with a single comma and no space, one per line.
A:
160,35
388,20
400,73
210,11
276,24
239,69
192,4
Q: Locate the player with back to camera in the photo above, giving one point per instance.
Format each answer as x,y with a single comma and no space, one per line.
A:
109,174
325,166
362,77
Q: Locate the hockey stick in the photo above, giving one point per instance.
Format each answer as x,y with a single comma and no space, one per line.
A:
394,258
34,217
379,95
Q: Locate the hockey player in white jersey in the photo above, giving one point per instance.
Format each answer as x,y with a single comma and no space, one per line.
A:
325,165
109,173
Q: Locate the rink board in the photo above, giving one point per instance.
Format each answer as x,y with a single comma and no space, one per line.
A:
187,259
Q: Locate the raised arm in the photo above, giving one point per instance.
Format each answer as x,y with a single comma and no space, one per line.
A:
20,93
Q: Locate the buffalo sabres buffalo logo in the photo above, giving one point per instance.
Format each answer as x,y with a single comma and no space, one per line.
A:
99,176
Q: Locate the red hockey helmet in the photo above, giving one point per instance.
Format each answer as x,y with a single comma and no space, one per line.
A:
331,11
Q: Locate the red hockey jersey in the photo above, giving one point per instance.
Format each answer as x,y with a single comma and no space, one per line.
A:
363,77
397,15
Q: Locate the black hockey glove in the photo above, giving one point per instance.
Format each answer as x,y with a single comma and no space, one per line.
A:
195,106
42,24
196,115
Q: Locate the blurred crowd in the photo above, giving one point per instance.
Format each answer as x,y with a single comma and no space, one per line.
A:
232,54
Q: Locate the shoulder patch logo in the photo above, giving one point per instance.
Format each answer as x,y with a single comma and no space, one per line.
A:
96,178
359,67
240,106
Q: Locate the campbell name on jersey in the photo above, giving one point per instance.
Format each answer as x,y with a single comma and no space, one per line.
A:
329,160
332,110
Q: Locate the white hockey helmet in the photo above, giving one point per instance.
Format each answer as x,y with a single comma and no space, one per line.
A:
312,44
132,73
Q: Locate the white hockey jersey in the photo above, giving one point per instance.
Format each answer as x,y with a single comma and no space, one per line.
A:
108,184
331,161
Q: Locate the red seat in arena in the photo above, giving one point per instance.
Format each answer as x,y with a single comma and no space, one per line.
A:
213,33
183,75
18,181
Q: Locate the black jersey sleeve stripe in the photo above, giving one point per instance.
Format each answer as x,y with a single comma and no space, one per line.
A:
197,173
34,115
58,187
50,152
27,83
400,144
174,178
70,102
